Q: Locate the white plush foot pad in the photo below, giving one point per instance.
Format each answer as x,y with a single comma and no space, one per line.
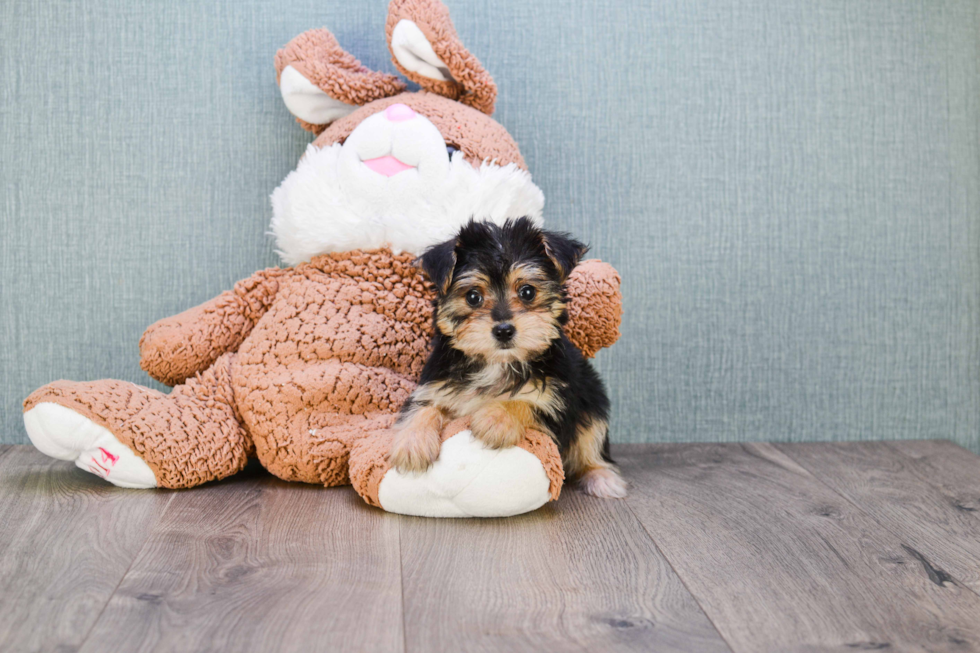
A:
62,433
469,480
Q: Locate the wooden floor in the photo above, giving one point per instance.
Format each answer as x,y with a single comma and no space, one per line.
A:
762,547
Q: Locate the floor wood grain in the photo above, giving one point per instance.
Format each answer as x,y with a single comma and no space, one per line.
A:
257,564
739,548
580,575
66,541
780,562
928,492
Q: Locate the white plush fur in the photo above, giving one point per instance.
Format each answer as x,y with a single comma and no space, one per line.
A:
469,480
415,53
307,102
332,202
62,433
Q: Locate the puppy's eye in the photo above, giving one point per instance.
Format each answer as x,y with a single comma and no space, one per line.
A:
451,150
474,298
526,293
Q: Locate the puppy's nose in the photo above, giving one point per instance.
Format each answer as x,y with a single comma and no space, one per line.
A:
503,332
399,112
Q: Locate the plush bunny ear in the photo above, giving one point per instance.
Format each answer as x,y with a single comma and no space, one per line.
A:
425,48
320,82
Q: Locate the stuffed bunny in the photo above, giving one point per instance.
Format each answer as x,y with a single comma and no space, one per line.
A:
305,367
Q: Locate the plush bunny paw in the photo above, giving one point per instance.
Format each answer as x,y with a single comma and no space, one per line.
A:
62,433
469,480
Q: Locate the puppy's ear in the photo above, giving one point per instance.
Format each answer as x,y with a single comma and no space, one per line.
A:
439,263
320,82
564,251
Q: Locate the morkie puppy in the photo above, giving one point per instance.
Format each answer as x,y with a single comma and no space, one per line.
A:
500,354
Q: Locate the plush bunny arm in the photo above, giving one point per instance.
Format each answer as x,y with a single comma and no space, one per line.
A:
180,346
595,306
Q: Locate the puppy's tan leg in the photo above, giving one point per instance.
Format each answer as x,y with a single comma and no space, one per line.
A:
501,424
417,442
584,462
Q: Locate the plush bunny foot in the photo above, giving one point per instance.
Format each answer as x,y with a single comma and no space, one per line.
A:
62,433
469,480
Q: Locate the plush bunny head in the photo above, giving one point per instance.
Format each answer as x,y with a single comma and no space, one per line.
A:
390,168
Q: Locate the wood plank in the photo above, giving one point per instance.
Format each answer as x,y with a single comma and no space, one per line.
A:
927,492
949,466
257,564
66,539
580,574
780,562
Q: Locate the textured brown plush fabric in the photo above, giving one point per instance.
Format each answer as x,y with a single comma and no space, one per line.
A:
369,464
478,136
307,366
218,326
595,306
471,84
545,449
318,57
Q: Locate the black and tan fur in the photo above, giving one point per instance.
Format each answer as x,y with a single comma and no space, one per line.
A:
500,354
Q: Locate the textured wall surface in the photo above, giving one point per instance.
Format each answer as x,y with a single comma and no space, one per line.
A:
790,188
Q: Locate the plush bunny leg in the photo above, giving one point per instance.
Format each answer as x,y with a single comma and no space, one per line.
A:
138,437
467,480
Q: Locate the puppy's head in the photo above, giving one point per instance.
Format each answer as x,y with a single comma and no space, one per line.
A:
501,288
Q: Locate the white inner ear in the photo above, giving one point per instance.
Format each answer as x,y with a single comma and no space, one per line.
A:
309,103
414,52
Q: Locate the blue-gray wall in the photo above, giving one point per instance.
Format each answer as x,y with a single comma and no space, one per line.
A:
791,189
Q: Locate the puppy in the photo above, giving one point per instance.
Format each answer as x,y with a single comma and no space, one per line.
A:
500,354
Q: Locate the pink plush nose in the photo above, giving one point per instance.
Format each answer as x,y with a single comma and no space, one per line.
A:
399,112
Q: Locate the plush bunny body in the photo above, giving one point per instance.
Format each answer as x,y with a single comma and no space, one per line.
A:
305,367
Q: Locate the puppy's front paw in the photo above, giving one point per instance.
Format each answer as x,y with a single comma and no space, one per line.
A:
496,427
603,482
414,451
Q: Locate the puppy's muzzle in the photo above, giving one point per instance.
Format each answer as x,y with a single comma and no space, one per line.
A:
503,333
